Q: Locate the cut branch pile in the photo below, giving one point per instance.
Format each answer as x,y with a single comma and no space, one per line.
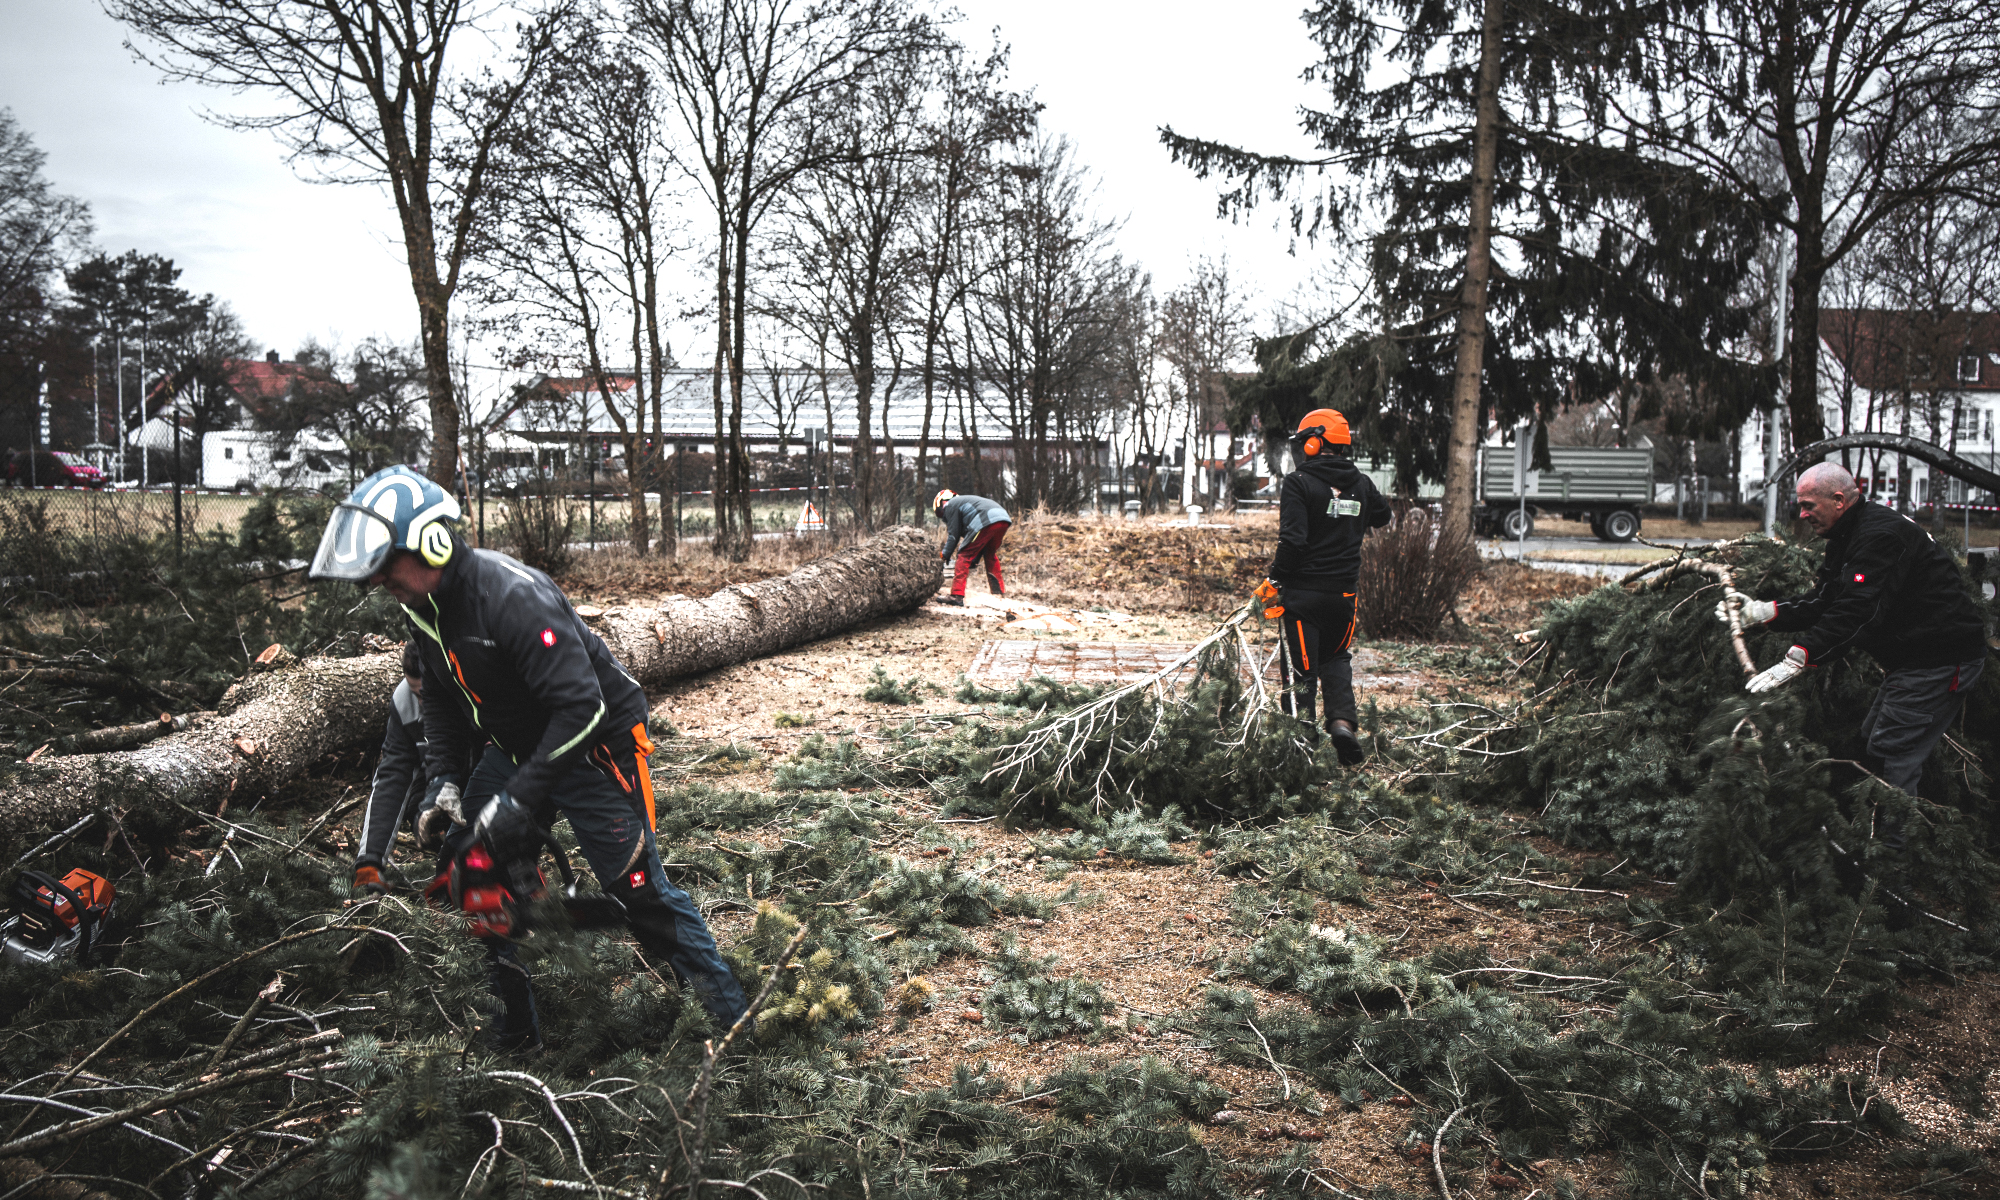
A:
1204,733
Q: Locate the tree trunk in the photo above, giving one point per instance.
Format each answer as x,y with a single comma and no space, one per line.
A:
1462,457
274,727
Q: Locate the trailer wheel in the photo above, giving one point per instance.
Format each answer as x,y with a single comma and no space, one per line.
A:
1620,526
1516,524
1597,526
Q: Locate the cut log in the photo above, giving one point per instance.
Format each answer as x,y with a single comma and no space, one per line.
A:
274,725
102,681
125,737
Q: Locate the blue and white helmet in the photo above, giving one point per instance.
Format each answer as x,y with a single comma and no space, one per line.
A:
393,509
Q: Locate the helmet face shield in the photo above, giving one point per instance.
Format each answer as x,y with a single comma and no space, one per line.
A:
356,543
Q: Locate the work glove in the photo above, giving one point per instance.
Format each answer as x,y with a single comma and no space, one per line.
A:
1755,612
508,829
1274,606
1788,666
368,882
441,811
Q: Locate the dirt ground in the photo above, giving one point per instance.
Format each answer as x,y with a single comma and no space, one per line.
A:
1154,935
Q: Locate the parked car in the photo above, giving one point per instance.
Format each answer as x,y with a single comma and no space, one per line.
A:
51,468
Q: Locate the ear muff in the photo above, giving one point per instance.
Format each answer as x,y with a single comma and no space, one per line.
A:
434,543
1312,447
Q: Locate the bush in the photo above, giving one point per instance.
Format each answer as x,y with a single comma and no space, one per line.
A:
1412,572
539,527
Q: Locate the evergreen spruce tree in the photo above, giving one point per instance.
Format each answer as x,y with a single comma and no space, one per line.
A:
1516,262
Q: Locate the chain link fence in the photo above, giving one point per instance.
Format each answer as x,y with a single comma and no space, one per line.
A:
74,545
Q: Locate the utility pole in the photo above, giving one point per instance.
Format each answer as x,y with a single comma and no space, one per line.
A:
96,414
41,427
119,343
1774,440
145,458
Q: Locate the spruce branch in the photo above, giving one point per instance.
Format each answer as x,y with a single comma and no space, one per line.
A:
704,1085
69,1131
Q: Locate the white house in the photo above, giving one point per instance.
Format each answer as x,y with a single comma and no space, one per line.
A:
1931,376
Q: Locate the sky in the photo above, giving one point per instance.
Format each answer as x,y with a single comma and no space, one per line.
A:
300,261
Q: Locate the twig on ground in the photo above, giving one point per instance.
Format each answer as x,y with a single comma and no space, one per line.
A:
1437,1152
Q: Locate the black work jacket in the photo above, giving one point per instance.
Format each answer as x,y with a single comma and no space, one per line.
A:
506,658
1886,587
965,516
1324,509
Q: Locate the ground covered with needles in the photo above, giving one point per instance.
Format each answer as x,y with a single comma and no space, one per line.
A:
1589,922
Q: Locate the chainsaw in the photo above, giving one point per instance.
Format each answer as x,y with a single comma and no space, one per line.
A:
50,918
497,898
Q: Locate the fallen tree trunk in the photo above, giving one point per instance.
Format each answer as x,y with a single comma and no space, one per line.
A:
274,725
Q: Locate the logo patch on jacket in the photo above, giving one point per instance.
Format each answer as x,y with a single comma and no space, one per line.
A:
1860,578
548,637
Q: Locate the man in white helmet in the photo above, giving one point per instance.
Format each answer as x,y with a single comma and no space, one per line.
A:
973,529
507,660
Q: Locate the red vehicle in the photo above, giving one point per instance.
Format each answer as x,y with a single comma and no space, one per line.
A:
52,468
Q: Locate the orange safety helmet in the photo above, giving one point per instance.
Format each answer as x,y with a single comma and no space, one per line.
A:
944,497
1320,428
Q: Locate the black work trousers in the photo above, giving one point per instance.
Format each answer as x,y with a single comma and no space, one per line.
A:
608,798
1319,632
1911,711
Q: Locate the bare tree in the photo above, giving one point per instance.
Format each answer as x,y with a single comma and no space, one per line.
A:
1203,330
1838,91
579,238
41,232
1041,313
369,91
970,121
847,238
738,75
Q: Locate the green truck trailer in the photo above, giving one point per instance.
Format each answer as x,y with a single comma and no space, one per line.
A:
1601,485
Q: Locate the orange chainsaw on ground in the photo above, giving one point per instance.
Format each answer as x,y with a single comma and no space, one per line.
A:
52,918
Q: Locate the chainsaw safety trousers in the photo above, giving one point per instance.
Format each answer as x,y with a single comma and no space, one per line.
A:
984,545
1319,634
608,800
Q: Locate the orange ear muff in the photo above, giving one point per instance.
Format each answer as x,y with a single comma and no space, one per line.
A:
1312,447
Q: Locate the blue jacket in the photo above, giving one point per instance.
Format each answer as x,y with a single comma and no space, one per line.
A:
965,516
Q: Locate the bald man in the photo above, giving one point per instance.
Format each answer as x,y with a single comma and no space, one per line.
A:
1890,590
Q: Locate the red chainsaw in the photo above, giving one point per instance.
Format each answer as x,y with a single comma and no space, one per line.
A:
495,897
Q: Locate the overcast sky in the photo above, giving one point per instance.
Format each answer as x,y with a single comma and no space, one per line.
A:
299,260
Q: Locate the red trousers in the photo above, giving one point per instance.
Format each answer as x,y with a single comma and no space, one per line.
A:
985,544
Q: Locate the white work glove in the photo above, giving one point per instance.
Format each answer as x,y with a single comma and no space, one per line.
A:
441,813
1755,612
1788,666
